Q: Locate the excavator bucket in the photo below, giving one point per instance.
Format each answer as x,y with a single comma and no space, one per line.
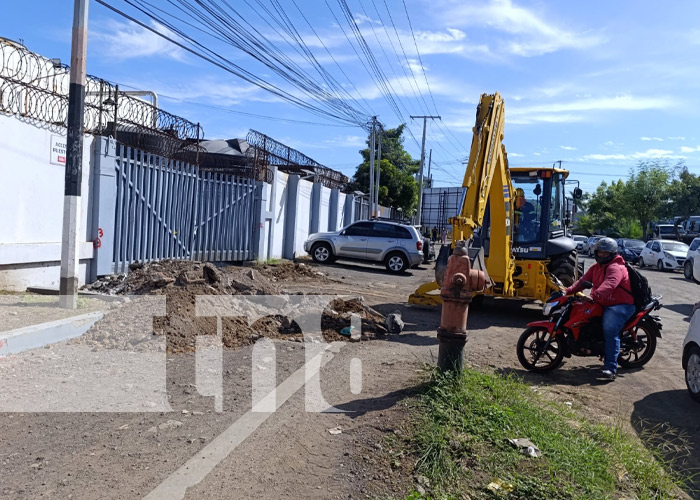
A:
441,264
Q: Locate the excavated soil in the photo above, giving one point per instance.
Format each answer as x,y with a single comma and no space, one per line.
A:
181,282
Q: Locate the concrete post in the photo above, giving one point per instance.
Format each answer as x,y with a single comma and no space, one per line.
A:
68,285
290,217
259,229
333,210
104,192
349,209
315,219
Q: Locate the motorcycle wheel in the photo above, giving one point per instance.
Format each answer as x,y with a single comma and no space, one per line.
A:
635,355
531,350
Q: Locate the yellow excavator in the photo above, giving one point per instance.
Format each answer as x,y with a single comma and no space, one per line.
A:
514,220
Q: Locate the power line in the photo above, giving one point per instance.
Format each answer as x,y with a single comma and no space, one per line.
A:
340,110
425,76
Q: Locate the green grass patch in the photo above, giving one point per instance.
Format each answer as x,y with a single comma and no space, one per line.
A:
460,440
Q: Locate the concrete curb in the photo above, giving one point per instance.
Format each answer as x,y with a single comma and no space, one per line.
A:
81,293
31,337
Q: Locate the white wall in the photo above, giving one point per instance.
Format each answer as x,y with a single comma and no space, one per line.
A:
341,210
325,206
303,217
31,205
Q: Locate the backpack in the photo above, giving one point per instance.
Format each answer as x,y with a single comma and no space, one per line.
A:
639,287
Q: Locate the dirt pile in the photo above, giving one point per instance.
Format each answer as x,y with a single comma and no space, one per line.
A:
181,282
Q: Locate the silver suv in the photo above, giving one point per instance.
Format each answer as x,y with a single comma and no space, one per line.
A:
397,246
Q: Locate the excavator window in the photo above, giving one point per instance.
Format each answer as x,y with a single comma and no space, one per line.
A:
556,210
527,209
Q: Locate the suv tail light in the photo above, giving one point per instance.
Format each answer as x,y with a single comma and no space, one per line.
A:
419,245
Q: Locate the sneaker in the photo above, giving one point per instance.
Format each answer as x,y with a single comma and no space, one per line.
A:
607,375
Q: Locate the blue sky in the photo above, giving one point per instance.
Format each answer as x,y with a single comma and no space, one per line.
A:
598,85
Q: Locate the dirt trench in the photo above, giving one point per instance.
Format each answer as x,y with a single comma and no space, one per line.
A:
181,282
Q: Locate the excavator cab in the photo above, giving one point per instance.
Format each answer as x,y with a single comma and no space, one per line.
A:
540,228
540,223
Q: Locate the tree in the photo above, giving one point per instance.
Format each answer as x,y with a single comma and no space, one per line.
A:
647,192
626,209
398,186
684,194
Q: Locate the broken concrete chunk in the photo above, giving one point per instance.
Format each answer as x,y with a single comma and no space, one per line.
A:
394,323
211,273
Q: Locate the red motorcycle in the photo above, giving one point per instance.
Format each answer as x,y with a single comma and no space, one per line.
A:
574,328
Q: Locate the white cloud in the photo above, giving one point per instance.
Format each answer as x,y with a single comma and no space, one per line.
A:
543,118
361,18
652,139
355,141
649,153
609,143
516,155
126,40
686,149
676,138
568,148
574,111
529,33
212,91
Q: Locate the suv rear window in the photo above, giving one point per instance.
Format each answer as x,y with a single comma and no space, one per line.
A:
382,230
402,233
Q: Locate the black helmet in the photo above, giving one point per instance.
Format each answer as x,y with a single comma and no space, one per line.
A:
606,245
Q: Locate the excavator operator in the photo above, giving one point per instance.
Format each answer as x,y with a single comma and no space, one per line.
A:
524,217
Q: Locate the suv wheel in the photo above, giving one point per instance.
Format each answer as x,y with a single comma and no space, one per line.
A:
688,270
396,262
322,253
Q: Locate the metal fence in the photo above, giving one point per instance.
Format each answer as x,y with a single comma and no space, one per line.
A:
167,209
439,204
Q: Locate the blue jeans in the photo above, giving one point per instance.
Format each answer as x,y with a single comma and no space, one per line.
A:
614,318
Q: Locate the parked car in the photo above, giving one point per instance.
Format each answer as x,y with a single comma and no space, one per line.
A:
580,240
590,242
664,254
397,246
691,357
630,249
691,267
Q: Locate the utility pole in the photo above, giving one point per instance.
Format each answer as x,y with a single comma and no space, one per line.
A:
379,166
371,168
70,253
422,163
430,162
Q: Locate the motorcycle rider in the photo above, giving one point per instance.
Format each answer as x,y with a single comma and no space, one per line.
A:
611,285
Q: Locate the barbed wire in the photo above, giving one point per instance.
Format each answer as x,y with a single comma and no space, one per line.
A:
35,87
290,160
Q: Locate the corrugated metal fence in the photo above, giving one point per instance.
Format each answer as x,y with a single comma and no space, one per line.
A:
167,209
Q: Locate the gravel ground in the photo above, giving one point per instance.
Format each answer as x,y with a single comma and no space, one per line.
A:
126,452
25,309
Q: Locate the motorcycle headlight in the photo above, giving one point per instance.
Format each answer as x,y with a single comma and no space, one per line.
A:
548,307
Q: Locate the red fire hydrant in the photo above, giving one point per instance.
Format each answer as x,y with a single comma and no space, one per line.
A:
460,281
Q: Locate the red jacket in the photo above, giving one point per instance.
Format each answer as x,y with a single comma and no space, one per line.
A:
611,283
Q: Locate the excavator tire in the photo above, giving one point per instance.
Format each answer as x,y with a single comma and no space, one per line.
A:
564,267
